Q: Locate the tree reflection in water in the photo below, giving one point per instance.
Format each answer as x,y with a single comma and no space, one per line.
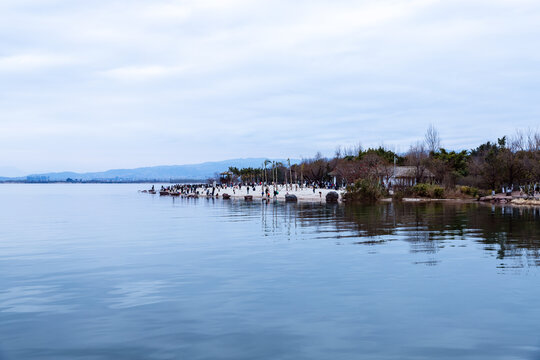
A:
509,232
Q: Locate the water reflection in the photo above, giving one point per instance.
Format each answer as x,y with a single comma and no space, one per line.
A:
507,233
510,232
104,272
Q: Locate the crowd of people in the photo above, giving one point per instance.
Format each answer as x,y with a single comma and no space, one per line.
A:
264,190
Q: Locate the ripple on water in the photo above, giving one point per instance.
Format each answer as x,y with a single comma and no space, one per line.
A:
36,299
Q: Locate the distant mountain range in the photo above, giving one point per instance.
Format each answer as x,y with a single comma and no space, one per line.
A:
201,171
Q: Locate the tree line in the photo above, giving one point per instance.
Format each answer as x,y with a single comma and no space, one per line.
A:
510,161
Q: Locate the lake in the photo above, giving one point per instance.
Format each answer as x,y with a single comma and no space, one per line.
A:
104,272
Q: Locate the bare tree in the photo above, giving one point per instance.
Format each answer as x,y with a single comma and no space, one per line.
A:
533,140
352,150
518,142
315,169
432,139
510,158
350,170
417,157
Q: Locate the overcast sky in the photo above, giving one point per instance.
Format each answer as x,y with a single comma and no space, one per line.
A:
93,85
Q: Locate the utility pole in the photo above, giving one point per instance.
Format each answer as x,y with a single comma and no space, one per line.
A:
273,174
394,176
290,171
302,175
266,162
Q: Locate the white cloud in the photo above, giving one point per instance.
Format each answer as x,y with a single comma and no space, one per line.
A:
142,73
167,11
273,77
25,62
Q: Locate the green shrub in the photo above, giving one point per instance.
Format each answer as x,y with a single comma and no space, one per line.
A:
428,191
438,192
421,190
364,190
402,192
469,190
398,195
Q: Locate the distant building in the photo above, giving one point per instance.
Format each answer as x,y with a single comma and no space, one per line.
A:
226,177
405,176
393,176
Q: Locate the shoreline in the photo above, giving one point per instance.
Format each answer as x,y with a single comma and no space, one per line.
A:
319,196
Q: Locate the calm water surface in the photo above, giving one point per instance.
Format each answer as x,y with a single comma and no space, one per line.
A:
104,272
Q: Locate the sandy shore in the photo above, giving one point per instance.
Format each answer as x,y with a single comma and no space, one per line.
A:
305,194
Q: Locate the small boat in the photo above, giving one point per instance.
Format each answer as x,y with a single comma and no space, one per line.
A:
174,194
164,192
151,191
248,197
226,196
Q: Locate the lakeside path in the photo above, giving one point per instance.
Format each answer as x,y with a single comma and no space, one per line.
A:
305,194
